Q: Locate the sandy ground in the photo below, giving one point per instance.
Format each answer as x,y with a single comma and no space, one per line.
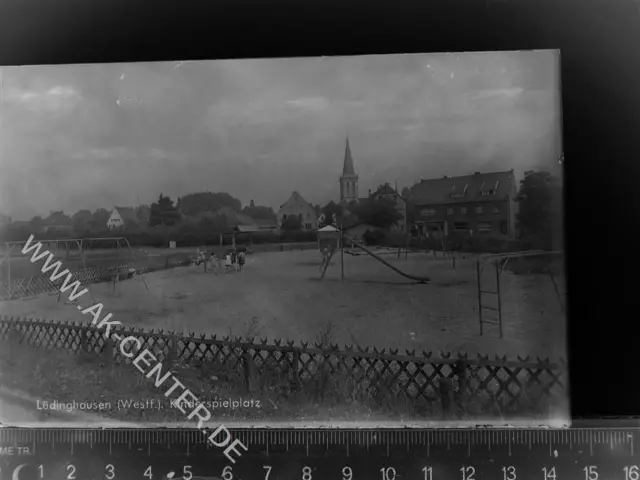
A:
279,295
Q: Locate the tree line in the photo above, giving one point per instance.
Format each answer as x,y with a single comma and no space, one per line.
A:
193,218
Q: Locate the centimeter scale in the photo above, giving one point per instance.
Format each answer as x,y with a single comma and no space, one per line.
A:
279,454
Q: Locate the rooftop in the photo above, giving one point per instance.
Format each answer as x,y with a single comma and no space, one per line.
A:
479,187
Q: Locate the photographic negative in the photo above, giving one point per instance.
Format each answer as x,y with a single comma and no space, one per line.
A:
367,240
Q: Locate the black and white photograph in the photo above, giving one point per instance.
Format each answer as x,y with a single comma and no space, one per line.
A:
324,241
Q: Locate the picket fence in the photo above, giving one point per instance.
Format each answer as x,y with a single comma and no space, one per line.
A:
313,368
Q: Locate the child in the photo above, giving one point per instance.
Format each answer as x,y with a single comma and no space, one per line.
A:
227,261
240,260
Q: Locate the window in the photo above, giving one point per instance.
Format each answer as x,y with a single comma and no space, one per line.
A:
461,226
428,212
503,227
485,227
455,193
490,191
479,209
463,210
307,226
449,210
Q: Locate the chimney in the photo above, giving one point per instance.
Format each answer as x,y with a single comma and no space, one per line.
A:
446,176
369,192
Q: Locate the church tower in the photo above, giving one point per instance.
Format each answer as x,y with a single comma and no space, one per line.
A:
349,179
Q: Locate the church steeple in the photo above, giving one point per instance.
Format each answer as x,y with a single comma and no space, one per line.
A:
349,178
348,168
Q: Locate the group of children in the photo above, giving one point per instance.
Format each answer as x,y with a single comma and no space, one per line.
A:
232,259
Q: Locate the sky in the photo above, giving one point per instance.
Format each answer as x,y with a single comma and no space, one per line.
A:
78,137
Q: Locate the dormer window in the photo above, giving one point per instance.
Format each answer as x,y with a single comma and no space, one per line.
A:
458,194
490,191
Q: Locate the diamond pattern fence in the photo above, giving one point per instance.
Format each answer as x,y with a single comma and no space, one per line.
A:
322,371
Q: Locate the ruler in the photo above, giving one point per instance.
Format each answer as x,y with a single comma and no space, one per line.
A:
279,454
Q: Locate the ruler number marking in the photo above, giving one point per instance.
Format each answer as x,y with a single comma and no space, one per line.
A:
41,471
148,472
306,473
72,473
388,473
468,473
111,472
428,473
509,473
186,472
268,469
227,473
590,472
347,473
631,473
549,474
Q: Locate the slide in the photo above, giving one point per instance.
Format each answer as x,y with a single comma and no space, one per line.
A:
380,259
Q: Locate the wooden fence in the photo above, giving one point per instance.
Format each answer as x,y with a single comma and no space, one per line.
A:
311,368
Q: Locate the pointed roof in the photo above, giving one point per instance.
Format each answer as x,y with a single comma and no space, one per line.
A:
348,168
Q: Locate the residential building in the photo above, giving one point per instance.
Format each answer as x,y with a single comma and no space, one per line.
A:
297,206
387,192
122,217
482,203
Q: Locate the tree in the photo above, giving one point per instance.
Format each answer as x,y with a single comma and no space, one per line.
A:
292,223
163,212
259,212
536,215
380,213
328,212
195,203
98,222
82,218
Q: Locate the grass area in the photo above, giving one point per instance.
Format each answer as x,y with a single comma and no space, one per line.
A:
336,396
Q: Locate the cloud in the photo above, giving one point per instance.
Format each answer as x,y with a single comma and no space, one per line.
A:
55,99
309,103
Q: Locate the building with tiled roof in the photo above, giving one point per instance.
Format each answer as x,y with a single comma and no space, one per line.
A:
479,203
297,206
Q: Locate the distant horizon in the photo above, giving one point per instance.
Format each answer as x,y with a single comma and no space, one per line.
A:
76,137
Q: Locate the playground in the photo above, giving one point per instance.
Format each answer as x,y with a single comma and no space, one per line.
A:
281,295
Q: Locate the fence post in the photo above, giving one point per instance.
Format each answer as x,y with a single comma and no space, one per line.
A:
460,371
445,389
249,369
296,367
173,354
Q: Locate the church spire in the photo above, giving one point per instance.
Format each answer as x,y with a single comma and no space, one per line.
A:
349,178
348,168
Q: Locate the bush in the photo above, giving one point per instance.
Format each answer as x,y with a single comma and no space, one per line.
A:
375,237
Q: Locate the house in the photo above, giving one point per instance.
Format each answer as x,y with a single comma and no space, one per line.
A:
387,192
123,217
482,203
298,207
